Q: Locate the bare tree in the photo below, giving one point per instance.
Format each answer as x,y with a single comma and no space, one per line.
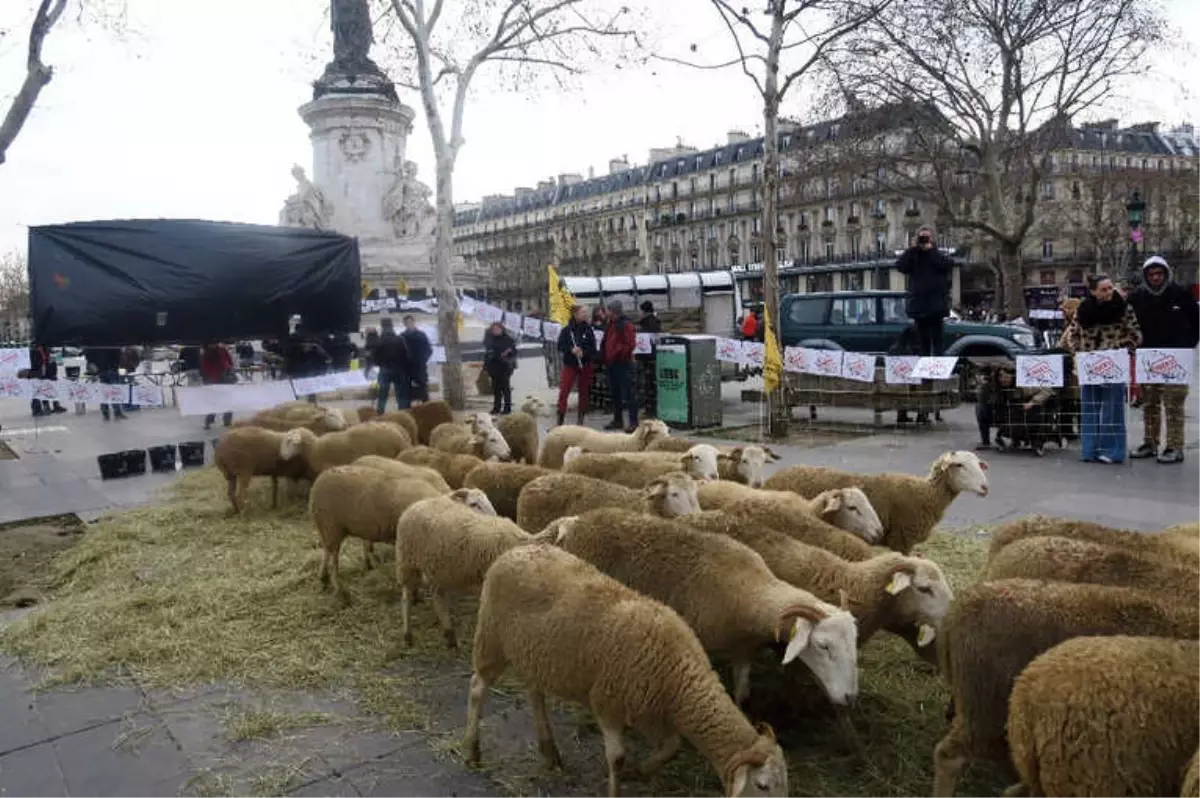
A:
448,44
14,292
776,53
986,91
37,73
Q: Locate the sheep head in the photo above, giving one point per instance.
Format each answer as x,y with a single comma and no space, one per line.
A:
295,441
961,472
920,596
671,495
333,418
650,430
758,770
850,510
534,406
700,462
556,530
490,444
474,499
572,453
825,639
478,422
749,463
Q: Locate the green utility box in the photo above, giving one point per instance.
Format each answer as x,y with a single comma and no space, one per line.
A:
688,381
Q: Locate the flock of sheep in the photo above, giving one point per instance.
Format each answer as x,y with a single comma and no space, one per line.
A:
610,567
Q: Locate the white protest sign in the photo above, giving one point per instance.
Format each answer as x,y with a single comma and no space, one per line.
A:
729,350
753,354
489,313
466,305
898,370
532,327
1039,371
599,338
114,394
794,358
934,368
551,331
857,366
201,400
1103,367
147,395
46,390
13,360
321,383
439,355
351,379
823,362
13,388
645,344
1165,366
512,322
78,392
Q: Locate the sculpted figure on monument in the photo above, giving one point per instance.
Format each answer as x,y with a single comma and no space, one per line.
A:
352,38
406,205
308,207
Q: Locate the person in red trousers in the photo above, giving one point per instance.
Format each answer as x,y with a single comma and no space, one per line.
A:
577,344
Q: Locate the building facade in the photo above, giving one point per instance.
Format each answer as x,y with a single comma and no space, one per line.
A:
692,210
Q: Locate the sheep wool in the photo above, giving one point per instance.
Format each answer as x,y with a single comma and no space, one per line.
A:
453,467
559,438
723,589
404,471
343,448
557,495
405,419
503,483
808,522
909,506
247,452
636,469
449,543
1176,545
1191,778
355,501
572,632
427,416
485,442
994,629
1106,716
520,430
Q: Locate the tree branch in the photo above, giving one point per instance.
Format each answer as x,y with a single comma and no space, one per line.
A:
37,74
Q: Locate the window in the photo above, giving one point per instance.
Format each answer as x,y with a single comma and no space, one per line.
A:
1047,277
807,311
879,212
853,281
712,182
854,210
692,186
804,220
882,281
802,252
712,231
855,310
880,242
829,250
757,228
1048,189
1047,249
755,253
894,311
1075,276
829,213
754,173
674,191
820,282
732,178
1075,189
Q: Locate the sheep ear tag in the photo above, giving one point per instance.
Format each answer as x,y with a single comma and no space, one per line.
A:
900,580
925,635
797,639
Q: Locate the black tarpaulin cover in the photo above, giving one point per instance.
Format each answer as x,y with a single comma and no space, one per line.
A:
153,281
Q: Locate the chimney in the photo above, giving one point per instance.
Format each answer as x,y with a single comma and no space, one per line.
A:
545,184
738,137
618,165
591,173
1145,127
521,192
1104,125
569,179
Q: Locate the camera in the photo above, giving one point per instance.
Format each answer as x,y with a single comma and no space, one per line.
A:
924,238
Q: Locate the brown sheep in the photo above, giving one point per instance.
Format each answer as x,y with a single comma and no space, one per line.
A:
805,521
520,429
503,483
401,470
343,448
556,495
1177,547
247,452
428,415
453,467
1191,778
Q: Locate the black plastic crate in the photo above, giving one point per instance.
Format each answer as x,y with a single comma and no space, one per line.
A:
135,461
191,453
112,465
162,458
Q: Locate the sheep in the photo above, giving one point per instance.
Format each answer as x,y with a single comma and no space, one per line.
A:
556,495
503,482
449,542
635,469
453,467
404,471
841,520
892,591
486,442
362,502
319,420
367,413
405,419
909,507
342,448
1191,778
723,589
1177,547
559,438
742,464
994,629
572,632
427,416
520,429
1073,560
247,452
1106,716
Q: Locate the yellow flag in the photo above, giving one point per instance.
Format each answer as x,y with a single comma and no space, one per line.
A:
366,289
459,320
402,287
561,300
772,359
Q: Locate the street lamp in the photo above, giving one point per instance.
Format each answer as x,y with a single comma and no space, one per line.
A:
1135,208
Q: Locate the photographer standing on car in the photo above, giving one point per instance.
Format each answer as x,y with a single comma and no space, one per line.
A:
929,274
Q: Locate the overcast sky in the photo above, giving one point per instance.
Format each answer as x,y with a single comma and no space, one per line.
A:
195,114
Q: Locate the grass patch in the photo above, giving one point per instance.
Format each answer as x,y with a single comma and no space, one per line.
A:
182,594
26,550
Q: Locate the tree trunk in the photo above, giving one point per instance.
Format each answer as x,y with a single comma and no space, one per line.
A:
443,284
777,409
1013,280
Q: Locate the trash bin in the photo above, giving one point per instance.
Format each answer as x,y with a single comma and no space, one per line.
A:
688,377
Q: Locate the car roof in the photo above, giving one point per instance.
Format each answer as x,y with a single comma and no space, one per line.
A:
847,294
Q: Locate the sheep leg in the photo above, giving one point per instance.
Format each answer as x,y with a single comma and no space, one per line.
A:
406,593
231,490
369,554
541,726
478,696
333,554
741,682
614,752
442,609
243,488
274,493
949,759
1018,790
667,746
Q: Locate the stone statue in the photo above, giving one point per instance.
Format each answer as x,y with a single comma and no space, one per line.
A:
352,69
308,207
406,204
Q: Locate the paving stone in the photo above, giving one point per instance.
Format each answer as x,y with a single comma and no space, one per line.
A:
135,757
20,724
65,710
33,772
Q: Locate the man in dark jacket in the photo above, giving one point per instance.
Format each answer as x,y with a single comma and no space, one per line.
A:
105,361
391,355
929,273
649,323
1168,316
620,339
419,352
500,360
577,345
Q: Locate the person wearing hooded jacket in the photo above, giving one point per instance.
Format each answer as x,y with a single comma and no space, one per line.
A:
1170,319
620,339
929,274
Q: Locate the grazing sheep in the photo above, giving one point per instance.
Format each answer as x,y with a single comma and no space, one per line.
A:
1191,778
892,591
636,469
520,429
533,405
247,452
722,493
367,413
909,507
486,442
342,448
559,438
357,501
427,416
1073,560
320,420
503,482
994,629
448,543
1106,716
401,470
557,495
404,419
572,632
841,520
453,467
1178,546
723,589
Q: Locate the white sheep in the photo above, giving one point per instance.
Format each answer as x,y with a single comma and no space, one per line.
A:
746,465
343,448
558,495
636,469
559,438
572,632
909,506
247,452
723,589
848,509
404,470
486,442
453,467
